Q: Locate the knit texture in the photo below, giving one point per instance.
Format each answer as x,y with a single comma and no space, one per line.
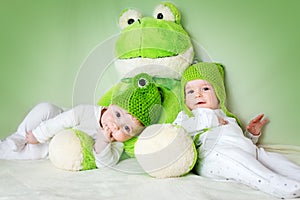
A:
140,97
214,74
87,144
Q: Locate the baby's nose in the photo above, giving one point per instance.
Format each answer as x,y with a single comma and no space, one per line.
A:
114,127
198,93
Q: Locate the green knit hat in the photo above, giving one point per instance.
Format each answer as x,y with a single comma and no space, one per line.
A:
140,97
214,74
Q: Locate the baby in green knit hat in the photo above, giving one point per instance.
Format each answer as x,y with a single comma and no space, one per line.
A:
135,104
224,152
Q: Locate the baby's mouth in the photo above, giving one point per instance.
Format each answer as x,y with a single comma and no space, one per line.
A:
200,103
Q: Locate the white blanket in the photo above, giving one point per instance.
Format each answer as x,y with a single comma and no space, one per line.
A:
39,179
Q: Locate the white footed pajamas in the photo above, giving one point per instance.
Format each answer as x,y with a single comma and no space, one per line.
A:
226,154
15,147
44,120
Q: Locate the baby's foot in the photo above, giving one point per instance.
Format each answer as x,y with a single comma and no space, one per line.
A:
16,144
285,188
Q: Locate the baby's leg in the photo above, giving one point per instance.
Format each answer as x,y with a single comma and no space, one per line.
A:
16,142
29,152
234,164
41,112
279,164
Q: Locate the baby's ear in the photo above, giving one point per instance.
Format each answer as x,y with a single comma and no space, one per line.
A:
221,70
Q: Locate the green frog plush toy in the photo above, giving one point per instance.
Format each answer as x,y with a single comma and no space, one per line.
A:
160,47
156,41
156,45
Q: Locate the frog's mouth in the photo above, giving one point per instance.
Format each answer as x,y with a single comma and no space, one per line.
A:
152,38
170,67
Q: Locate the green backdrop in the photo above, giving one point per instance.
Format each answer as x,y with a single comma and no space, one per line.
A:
44,44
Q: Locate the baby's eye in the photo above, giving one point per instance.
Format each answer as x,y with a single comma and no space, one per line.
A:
127,128
190,92
118,115
206,89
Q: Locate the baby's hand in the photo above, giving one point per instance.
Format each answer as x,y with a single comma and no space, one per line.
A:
30,138
101,142
108,135
255,125
222,121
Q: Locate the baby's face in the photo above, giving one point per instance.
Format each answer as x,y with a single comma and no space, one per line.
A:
200,94
119,125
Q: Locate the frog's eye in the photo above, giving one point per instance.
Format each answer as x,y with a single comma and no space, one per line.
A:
142,82
167,12
129,17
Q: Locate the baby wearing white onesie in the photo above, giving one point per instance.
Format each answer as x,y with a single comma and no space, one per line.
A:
224,152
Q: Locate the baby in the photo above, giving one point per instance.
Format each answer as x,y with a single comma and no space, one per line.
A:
134,106
224,152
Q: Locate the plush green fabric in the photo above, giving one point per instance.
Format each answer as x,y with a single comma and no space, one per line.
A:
153,38
140,97
129,147
87,144
171,103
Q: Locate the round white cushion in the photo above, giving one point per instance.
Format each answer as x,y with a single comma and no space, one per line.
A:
165,150
65,151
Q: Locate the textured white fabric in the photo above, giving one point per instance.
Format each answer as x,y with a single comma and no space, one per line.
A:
65,151
82,117
165,150
227,154
36,180
202,119
110,155
252,137
15,147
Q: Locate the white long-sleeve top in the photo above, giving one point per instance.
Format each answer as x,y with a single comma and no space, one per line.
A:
204,118
85,118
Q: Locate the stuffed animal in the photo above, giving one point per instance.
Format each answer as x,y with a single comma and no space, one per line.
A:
165,150
72,150
156,45
161,47
153,41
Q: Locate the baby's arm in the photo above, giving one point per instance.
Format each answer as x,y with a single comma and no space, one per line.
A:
107,152
180,118
102,140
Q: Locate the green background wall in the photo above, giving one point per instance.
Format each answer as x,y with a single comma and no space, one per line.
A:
43,45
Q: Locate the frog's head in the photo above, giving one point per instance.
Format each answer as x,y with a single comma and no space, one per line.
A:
158,41
139,96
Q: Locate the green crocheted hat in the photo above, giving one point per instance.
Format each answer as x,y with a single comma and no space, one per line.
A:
214,74
140,97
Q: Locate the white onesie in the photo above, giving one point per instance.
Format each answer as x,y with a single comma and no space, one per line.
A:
226,154
44,120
